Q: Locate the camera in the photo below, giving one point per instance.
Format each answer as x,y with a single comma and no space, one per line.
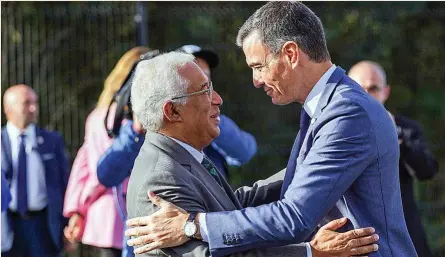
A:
122,98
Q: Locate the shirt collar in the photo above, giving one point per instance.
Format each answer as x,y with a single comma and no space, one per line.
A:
311,102
15,132
199,156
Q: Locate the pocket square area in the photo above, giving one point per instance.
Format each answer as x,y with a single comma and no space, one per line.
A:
48,156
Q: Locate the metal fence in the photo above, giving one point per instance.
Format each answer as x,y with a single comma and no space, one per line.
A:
64,51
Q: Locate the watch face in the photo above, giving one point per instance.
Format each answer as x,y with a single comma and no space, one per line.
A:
189,229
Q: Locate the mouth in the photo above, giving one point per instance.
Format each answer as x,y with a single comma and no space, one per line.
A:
268,91
215,116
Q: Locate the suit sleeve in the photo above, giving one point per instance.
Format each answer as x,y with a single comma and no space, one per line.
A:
116,163
342,148
64,163
6,193
262,191
179,190
415,153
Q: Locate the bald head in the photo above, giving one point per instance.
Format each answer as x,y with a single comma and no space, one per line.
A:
371,77
20,105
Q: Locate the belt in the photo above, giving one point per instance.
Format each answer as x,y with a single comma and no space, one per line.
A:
28,214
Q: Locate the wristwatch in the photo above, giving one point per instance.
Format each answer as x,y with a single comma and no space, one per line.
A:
190,228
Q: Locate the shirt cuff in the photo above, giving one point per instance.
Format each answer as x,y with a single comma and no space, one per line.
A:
203,227
308,249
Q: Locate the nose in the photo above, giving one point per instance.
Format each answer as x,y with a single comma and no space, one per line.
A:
216,99
257,80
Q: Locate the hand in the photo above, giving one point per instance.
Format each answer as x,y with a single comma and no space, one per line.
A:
137,126
356,242
162,229
74,231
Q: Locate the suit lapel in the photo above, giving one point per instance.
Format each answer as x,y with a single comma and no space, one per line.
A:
6,155
325,98
328,91
41,147
183,157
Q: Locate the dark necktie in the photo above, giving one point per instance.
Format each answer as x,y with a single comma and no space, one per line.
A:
211,169
22,188
292,163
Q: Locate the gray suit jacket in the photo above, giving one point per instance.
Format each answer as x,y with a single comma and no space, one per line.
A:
167,169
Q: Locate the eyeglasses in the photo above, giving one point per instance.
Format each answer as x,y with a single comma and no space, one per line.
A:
209,89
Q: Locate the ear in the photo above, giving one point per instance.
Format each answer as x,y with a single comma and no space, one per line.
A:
291,52
170,112
387,92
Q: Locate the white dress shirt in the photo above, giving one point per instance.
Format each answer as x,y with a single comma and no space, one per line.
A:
35,172
199,156
311,107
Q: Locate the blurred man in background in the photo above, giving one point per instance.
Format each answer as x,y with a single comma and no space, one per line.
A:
416,160
36,169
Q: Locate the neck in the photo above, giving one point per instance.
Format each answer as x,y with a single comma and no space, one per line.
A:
178,135
313,72
18,125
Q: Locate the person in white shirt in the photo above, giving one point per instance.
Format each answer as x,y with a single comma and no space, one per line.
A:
36,170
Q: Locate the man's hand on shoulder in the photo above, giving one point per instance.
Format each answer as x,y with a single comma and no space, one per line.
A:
356,242
162,229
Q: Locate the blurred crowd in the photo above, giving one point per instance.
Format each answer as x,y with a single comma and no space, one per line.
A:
50,207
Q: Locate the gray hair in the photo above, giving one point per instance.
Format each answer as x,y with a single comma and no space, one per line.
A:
156,81
279,22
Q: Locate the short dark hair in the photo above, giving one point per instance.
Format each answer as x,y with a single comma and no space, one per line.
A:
278,22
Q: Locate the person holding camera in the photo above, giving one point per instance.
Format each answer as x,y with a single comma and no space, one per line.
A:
416,160
93,215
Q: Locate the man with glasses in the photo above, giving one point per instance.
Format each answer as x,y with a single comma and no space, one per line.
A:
233,147
175,102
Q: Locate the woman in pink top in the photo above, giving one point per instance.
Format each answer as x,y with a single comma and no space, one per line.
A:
94,217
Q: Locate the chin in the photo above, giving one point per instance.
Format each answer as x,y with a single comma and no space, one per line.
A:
278,101
216,133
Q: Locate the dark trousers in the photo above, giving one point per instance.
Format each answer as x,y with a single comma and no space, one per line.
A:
32,237
93,251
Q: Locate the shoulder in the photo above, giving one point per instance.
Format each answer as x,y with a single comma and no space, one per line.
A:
405,122
50,134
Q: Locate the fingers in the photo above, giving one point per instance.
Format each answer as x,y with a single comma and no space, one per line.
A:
138,221
147,248
158,201
361,232
364,249
363,241
141,240
138,231
335,224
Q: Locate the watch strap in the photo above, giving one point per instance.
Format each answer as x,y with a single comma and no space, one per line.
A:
192,216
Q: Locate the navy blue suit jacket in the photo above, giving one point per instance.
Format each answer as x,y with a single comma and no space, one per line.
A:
51,148
347,166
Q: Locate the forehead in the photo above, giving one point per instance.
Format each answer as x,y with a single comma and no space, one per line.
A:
254,50
24,95
194,74
368,76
